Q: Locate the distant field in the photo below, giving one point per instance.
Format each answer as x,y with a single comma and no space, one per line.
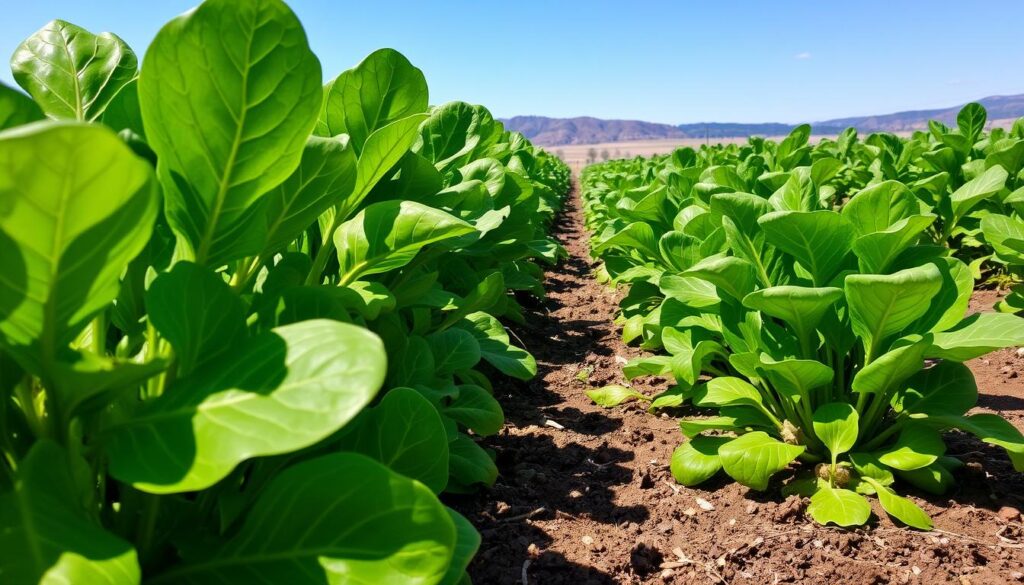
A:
575,155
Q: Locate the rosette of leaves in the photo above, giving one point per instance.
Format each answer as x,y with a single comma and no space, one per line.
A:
249,323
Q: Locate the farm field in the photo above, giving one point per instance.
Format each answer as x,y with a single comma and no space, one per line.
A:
265,320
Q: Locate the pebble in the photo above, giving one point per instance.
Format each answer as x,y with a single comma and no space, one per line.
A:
705,505
1020,352
1017,576
1009,513
588,540
667,574
751,508
533,550
916,570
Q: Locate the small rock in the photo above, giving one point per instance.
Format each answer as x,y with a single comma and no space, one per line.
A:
667,574
818,543
501,507
665,527
690,511
1020,352
533,550
752,508
916,570
1009,513
705,505
588,540
1017,576
575,494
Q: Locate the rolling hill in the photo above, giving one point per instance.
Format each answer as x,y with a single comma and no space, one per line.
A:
587,130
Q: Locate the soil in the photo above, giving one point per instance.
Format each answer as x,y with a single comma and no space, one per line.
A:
585,496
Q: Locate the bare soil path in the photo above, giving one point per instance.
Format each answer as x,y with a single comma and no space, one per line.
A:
585,496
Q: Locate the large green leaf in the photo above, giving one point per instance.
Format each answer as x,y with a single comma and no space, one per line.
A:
383,150
917,446
992,429
454,349
230,92
876,251
389,234
839,506
754,457
72,73
201,331
947,388
800,306
890,369
978,335
795,378
280,391
340,518
405,433
727,391
77,207
47,536
696,460
470,465
883,305
974,191
325,176
381,89
819,240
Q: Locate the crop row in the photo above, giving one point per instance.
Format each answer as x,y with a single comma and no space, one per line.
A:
814,297
249,322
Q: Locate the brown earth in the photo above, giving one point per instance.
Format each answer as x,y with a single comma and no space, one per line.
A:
585,496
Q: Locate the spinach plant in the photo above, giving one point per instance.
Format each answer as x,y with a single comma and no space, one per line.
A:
249,323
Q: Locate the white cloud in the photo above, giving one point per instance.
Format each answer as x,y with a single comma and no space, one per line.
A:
802,56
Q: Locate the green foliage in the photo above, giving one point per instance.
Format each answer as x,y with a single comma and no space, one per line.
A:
816,296
249,323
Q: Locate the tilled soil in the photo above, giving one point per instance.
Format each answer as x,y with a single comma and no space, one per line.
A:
585,496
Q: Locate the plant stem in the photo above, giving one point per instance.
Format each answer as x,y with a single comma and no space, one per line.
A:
99,333
147,524
885,434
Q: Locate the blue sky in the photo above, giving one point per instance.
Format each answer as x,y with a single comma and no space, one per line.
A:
662,61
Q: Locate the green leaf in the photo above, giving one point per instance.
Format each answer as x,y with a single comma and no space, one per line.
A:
974,191
839,506
971,121
731,274
835,424
691,291
796,378
728,391
883,305
613,395
325,176
754,457
381,528
947,388
389,234
470,465
454,349
901,508
200,332
876,251
890,369
405,433
978,335
16,108
696,460
476,409
77,207
72,73
383,150
917,446
1004,233
496,348
48,537
800,306
819,240
467,542
230,92
867,465
278,392
382,88
635,236
992,429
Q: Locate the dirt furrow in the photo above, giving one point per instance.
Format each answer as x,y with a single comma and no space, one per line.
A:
585,496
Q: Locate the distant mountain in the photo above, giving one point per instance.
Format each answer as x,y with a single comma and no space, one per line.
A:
587,130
